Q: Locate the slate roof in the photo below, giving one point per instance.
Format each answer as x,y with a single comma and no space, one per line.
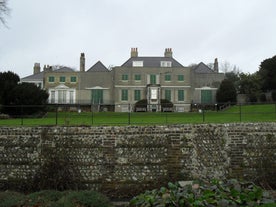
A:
34,77
64,69
98,67
203,68
152,62
40,75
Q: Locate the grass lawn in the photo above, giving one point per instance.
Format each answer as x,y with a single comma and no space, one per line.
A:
247,113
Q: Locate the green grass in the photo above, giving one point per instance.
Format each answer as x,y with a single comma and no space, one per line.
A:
246,113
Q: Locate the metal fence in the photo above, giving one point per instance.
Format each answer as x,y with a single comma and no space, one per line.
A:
95,115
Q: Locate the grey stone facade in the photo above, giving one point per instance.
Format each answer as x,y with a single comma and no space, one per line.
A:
140,78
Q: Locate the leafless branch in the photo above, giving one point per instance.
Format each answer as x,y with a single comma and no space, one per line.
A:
4,11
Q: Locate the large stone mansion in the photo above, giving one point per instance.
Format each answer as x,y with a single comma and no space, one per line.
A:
139,78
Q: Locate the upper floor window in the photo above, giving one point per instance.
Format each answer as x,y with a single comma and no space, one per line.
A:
137,77
124,77
152,79
137,64
180,77
73,79
51,79
62,79
166,64
167,77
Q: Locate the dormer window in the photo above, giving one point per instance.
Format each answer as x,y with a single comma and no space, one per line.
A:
137,64
166,64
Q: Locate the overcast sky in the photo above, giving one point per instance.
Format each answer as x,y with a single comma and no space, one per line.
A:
55,32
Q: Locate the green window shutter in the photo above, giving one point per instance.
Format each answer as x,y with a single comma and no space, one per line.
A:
167,77
62,79
206,96
124,94
51,79
180,78
180,95
73,79
152,79
124,77
137,77
168,94
137,95
97,96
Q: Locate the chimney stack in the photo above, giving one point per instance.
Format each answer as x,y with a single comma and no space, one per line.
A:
168,52
134,52
36,68
82,62
216,69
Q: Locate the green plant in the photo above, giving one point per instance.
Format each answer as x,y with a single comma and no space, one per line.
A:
9,199
50,198
273,95
44,198
196,194
84,199
262,97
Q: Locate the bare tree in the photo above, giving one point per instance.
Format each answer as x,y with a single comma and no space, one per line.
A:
226,67
4,11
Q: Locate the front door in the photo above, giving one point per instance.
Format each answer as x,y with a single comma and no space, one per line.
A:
153,98
206,96
96,96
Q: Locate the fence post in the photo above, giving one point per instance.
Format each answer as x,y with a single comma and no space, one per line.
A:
129,114
240,112
92,115
203,114
21,115
56,115
275,110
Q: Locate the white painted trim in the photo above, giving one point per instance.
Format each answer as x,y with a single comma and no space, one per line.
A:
206,88
129,86
175,86
97,87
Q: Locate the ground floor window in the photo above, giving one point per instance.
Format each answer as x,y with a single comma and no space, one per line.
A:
181,95
71,97
124,95
168,94
62,96
137,95
53,95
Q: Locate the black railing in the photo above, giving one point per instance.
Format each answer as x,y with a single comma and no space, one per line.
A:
93,115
